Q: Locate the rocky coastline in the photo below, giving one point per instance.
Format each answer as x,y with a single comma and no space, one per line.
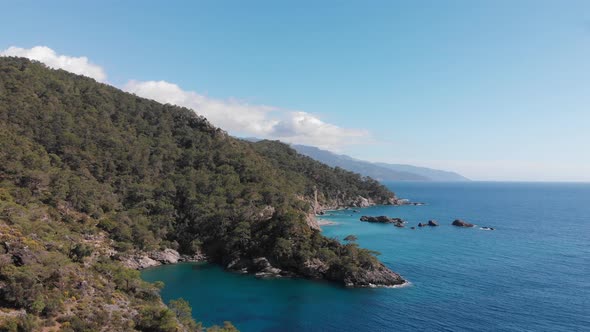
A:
377,276
261,267
142,260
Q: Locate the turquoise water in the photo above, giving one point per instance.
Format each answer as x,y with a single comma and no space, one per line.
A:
531,274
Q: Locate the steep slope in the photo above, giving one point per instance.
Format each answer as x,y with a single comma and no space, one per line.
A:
92,174
379,171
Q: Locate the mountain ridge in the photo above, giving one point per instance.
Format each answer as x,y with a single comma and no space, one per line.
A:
378,170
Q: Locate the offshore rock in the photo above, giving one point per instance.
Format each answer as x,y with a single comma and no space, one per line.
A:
461,223
398,222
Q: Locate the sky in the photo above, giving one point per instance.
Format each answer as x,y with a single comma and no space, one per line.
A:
495,90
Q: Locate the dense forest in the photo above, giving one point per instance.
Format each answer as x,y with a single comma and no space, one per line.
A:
89,173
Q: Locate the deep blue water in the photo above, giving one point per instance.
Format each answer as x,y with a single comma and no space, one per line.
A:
531,274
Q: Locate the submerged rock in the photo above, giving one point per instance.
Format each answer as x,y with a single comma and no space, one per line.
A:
405,201
461,223
488,228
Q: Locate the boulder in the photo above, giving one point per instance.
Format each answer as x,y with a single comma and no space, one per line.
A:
166,256
138,261
432,223
421,225
461,223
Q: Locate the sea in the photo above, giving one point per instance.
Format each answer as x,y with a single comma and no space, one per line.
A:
532,273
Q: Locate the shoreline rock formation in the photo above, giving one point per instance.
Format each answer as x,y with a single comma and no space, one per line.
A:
143,260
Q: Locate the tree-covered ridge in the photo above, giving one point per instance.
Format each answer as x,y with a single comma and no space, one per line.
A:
148,176
330,183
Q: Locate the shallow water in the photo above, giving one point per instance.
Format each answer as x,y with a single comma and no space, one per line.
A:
531,274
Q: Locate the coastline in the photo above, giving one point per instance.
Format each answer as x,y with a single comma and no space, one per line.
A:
260,267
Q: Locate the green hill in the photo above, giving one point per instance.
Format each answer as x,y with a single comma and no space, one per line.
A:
90,175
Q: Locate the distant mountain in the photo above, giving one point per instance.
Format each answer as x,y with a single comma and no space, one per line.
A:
378,171
430,173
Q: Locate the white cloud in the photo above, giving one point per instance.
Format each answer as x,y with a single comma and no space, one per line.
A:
245,119
44,54
305,128
238,117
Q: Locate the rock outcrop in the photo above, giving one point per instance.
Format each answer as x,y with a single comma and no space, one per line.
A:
431,223
461,223
142,260
314,268
259,266
166,256
138,261
377,276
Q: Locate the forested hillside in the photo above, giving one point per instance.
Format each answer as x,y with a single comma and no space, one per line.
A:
89,173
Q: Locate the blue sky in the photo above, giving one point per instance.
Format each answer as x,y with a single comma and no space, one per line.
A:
496,90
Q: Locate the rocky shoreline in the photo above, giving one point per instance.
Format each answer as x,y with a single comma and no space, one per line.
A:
380,276
315,269
261,267
143,260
